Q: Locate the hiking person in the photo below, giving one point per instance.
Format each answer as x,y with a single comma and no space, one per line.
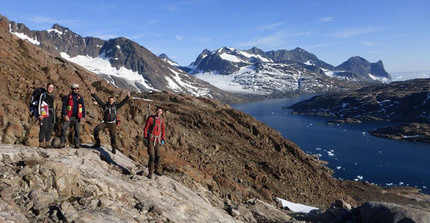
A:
73,112
154,137
110,119
46,115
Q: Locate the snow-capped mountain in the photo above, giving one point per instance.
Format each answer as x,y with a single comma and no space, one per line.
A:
282,71
122,62
168,60
360,69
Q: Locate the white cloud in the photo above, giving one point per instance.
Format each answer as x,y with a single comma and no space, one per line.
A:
150,22
278,39
101,35
205,40
274,40
368,43
172,8
179,38
326,19
136,36
42,19
322,45
271,26
355,32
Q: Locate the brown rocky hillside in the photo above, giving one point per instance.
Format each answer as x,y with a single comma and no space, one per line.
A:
223,149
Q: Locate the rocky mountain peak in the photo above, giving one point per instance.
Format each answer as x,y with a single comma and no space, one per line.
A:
257,51
168,60
359,68
59,27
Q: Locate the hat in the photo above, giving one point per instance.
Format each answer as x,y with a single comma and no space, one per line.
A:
75,86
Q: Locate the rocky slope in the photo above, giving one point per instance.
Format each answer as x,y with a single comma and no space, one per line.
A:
230,153
94,185
120,61
89,185
282,71
213,150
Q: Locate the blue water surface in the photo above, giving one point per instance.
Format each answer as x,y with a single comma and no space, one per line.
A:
351,152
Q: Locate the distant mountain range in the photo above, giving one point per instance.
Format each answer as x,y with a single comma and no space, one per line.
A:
256,71
126,64
403,76
120,61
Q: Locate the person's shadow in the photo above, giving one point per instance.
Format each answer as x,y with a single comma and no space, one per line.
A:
105,156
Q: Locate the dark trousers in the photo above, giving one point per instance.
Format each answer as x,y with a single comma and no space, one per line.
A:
46,126
154,156
72,121
112,132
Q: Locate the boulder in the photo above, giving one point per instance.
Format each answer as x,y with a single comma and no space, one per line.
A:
381,212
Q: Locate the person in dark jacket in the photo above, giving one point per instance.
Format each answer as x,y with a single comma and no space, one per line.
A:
154,137
110,111
73,112
46,115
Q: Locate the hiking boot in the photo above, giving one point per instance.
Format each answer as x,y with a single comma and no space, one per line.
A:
76,146
61,145
149,175
42,144
158,173
114,150
97,144
48,145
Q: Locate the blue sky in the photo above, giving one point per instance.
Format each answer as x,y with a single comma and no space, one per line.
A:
396,32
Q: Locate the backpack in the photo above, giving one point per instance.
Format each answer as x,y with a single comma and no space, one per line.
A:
153,124
34,101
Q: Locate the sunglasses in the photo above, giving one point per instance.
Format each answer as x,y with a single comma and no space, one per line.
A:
75,88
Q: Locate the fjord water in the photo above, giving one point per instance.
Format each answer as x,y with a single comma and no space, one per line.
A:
350,151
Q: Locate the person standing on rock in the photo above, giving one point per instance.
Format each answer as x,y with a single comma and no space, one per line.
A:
46,116
73,112
154,137
110,119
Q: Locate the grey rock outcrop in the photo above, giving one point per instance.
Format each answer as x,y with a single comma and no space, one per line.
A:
78,186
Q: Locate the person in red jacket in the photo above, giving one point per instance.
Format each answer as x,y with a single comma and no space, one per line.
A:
154,137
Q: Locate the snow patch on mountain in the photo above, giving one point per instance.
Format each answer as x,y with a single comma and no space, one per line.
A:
55,30
24,37
101,66
296,207
190,86
224,82
171,62
248,55
381,79
229,57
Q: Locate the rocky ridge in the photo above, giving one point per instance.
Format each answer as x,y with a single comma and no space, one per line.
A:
120,61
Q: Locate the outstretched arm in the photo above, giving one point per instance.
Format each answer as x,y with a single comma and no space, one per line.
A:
99,101
123,101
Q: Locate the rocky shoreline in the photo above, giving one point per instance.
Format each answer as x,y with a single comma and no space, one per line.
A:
406,102
417,132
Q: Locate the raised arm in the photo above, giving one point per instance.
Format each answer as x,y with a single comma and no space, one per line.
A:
99,101
123,101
